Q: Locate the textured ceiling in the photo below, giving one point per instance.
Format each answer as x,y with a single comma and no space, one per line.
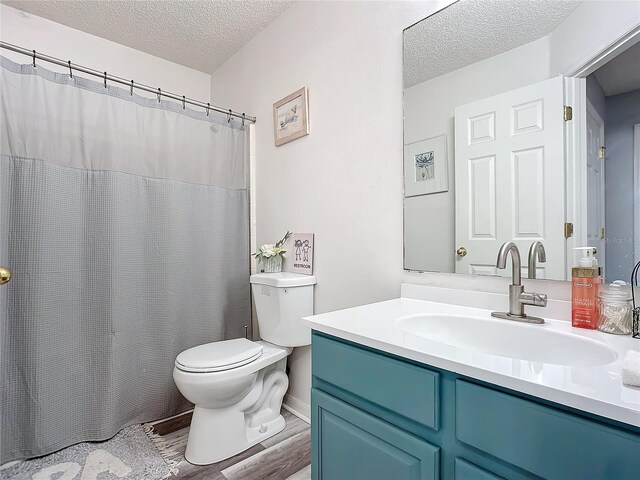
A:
471,30
196,33
622,73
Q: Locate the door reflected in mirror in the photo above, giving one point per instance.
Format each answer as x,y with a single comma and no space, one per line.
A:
540,136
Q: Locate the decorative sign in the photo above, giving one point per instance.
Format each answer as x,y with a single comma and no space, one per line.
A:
302,253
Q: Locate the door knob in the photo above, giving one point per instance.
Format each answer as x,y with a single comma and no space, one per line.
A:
461,251
5,275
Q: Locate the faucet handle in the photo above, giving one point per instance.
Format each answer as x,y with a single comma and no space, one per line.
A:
535,299
536,250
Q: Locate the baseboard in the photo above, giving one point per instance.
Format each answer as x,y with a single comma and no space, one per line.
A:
170,424
160,420
299,409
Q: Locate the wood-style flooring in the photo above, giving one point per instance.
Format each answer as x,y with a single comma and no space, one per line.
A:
285,456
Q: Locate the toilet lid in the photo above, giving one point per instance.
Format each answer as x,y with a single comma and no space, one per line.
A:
218,356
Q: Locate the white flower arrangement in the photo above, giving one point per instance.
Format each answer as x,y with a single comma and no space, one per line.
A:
269,250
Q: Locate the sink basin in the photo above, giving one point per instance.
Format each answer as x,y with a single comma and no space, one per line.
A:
536,343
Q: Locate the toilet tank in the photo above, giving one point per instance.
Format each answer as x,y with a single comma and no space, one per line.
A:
281,300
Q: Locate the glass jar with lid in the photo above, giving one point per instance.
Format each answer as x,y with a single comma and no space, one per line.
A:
615,310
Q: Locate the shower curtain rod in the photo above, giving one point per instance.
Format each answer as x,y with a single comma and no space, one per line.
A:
129,83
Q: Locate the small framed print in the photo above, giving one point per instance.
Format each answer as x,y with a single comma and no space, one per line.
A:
302,253
291,117
425,167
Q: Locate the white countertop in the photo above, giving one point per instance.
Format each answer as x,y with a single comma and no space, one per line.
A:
594,389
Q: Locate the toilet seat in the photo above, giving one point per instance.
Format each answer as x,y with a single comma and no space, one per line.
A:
219,356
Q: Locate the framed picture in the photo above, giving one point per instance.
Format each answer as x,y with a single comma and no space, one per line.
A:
291,117
425,167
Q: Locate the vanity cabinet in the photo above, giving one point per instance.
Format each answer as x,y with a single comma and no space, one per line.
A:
380,449
377,416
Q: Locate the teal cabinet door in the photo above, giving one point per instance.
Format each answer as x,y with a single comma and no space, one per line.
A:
468,471
544,441
391,385
349,444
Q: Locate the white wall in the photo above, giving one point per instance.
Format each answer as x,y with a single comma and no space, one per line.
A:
57,40
621,114
429,112
343,181
590,27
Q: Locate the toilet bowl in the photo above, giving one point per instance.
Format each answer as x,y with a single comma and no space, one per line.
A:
237,386
236,407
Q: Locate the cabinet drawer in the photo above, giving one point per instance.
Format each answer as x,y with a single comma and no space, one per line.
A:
464,470
546,442
348,443
400,387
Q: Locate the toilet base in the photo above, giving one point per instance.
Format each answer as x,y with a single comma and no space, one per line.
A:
206,445
254,436
219,433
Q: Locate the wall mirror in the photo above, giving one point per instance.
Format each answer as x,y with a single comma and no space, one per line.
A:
491,151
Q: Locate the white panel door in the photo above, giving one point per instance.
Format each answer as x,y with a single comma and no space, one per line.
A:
510,177
595,184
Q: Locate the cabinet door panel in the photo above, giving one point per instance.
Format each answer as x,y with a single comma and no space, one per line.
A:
542,440
400,387
468,471
348,443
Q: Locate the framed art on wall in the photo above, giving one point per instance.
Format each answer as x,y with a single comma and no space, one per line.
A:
425,167
291,117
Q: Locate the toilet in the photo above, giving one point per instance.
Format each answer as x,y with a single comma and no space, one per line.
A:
237,386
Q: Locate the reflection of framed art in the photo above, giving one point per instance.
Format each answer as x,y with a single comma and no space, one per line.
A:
291,117
425,167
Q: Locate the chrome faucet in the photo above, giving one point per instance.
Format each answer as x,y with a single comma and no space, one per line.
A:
518,298
536,250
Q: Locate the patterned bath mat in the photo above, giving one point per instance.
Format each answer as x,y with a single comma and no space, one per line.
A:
170,437
129,455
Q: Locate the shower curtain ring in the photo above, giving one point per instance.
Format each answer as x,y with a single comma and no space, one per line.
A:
229,116
208,106
105,79
70,71
183,102
132,87
34,59
159,95
242,119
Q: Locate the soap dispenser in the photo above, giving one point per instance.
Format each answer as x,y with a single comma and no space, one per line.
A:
585,283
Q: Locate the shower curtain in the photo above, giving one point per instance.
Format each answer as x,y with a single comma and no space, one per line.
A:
125,223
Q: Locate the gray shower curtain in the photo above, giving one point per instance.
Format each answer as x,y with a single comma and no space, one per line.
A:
125,223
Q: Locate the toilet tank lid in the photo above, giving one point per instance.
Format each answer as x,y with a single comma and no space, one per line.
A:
283,279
